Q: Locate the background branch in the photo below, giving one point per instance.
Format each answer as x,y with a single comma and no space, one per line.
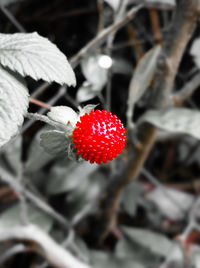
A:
101,37
175,41
187,91
16,249
47,247
7,178
109,44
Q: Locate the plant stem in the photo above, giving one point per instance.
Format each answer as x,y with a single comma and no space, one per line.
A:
175,41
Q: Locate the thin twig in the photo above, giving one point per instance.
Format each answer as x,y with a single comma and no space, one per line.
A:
138,51
14,21
40,117
41,111
187,91
97,41
60,15
119,14
7,178
100,10
46,246
73,102
16,249
23,206
101,37
39,90
39,103
192,224
156,183
175,41
155,25
68,242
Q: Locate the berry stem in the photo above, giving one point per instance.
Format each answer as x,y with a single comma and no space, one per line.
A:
43,118
39,103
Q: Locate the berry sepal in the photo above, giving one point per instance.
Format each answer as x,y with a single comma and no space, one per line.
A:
95,136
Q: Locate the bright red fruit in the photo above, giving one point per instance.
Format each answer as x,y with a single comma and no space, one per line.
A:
99,136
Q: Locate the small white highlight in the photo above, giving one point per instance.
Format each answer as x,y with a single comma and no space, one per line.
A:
105,61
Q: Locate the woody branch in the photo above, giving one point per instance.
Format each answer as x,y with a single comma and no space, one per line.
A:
174,43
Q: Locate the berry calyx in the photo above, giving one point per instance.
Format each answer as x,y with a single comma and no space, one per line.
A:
99,136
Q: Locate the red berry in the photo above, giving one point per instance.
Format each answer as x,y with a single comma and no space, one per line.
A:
99,136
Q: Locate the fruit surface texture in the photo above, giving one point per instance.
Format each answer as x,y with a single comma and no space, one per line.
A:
99,136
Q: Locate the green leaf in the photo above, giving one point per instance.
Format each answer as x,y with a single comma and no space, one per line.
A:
13,105
141,79
33,55
11,217
177,119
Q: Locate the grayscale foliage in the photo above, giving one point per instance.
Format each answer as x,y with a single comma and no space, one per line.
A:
33,55
13,104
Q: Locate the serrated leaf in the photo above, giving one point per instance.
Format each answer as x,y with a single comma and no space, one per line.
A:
156,243
13,105
176,119
141,79
54,142
11,217
33,55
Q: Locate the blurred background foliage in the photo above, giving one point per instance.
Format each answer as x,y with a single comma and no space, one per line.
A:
158,206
